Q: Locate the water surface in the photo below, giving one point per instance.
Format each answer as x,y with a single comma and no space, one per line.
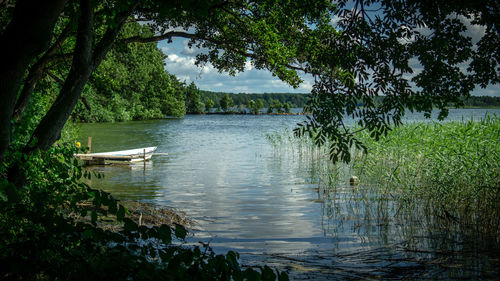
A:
244,196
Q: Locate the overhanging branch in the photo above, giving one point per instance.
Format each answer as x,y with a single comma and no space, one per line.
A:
182,34
168,35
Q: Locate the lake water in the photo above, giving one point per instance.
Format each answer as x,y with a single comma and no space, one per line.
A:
223,173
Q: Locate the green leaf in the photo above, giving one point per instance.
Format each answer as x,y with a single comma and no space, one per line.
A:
283,276
88,233
251,274
268,274
3,194
94,217
180,231
165,234
120,215
130,225
12,193
112,207
143,230
232,259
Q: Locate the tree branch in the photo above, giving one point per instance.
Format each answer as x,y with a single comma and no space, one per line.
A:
49,128
26,36
57,79
37,72
109,37
168,35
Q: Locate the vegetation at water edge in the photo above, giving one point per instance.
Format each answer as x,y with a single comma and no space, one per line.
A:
450,172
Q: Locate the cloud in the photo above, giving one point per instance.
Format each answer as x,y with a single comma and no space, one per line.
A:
165,49
306,86
248,65
191,51
492,90
474,31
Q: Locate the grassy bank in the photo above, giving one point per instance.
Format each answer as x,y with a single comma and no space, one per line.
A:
447,172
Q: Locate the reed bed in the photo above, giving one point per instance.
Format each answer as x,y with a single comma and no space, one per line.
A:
446,174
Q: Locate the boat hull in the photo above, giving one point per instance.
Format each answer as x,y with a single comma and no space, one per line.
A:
118,157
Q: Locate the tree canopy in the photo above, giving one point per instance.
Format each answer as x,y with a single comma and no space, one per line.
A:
419,55
131,84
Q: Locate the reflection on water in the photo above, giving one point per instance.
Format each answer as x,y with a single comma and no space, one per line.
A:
223,173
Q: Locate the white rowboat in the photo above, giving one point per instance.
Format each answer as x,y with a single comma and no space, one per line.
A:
122,156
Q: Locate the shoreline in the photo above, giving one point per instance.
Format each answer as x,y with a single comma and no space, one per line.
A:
245,113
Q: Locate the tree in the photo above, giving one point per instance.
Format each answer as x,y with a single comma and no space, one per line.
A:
286,107
131,84
226,102
102,22
275,104
375,48
255,106
209,104
355,50
27,35
193,101
259,103
241,109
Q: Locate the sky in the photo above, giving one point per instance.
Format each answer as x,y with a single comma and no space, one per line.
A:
181,63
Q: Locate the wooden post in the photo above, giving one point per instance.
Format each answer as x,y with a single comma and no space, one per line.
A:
144,159
89,144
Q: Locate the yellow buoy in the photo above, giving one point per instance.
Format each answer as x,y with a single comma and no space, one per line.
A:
354,180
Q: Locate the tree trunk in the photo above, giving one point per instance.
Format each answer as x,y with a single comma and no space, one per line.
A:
49,129
27,35
84,62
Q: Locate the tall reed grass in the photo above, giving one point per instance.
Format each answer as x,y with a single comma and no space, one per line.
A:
448,173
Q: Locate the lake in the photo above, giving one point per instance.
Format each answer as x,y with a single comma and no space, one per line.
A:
225,175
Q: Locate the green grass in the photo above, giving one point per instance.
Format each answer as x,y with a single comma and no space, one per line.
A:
452,167
448,173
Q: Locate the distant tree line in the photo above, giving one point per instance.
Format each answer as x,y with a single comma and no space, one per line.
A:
294,100
472,101
198,101
482,101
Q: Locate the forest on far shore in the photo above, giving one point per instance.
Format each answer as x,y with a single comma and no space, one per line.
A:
300,99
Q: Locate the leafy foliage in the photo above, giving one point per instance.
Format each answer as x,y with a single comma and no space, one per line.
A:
209,104
275,105
226,102
255,106
131,84
369,52
364,52
193,99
